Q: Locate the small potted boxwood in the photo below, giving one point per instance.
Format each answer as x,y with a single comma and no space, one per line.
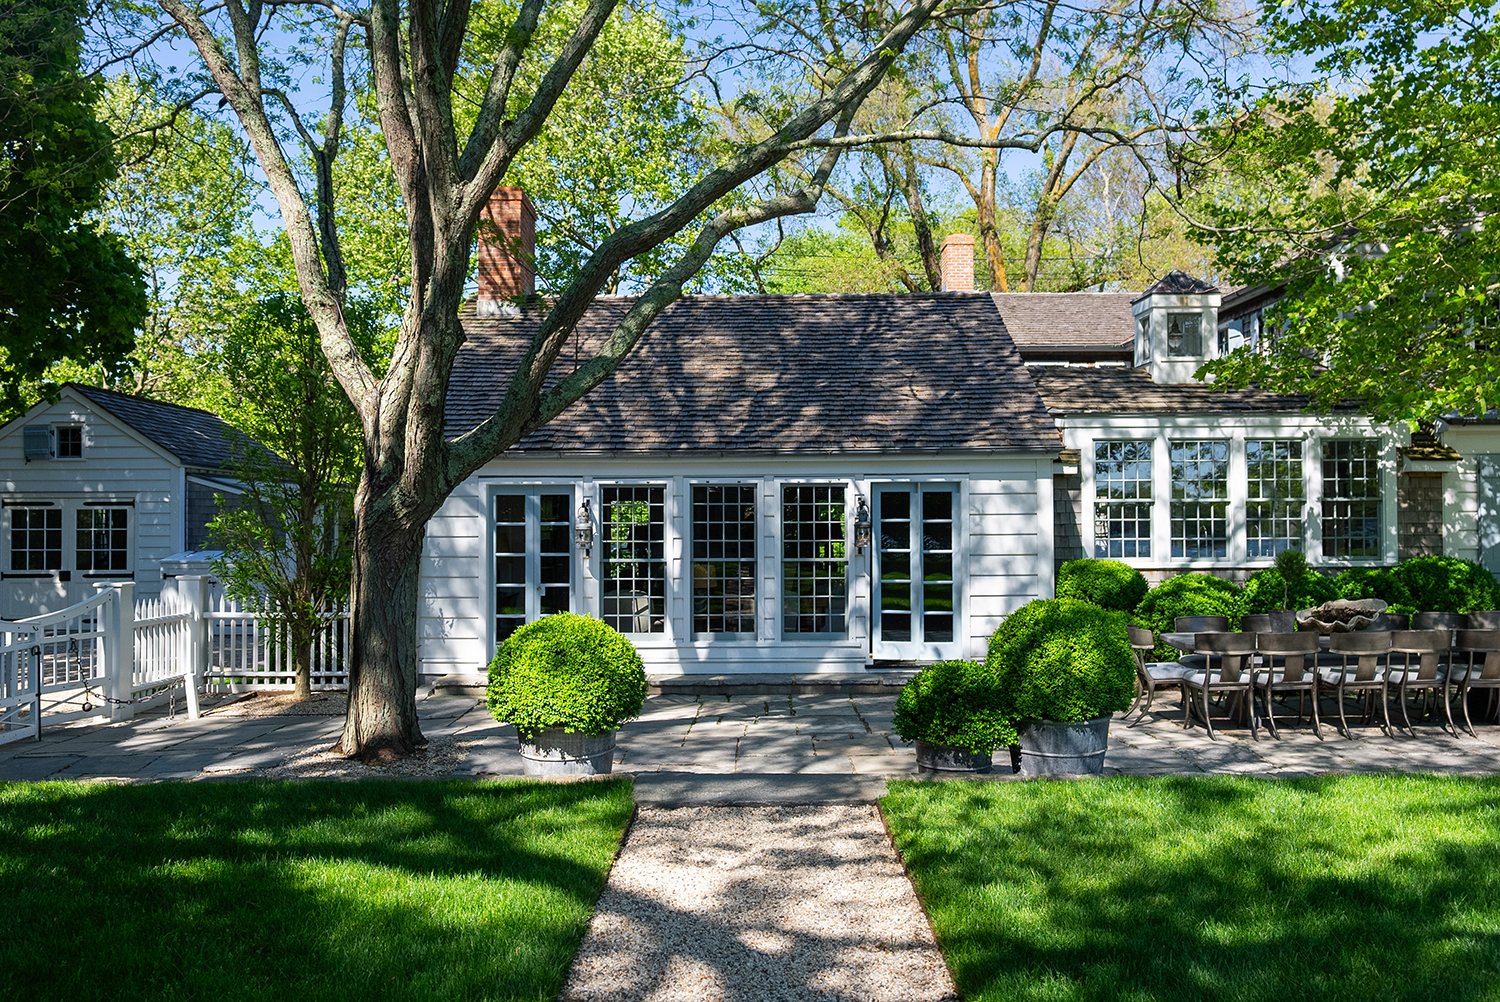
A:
566,683
952,711
1061,668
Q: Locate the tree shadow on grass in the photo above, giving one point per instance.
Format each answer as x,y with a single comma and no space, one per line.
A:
1223,888
291,891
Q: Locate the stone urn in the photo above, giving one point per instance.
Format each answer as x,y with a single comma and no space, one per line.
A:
933,758
1054,748
553,751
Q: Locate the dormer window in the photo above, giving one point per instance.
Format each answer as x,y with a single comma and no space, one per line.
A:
1185,335
69,441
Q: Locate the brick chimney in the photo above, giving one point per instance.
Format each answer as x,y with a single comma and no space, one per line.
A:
507,224
958,263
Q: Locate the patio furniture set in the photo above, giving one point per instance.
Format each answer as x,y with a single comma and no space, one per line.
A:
1439,662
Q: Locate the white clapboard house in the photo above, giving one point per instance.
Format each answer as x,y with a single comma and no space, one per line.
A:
101,486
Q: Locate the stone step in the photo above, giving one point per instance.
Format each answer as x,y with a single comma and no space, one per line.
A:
863,683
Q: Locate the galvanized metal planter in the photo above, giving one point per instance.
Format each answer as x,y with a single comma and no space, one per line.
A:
553,751
950,758
1050,748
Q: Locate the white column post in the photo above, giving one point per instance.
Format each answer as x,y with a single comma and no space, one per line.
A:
120,650
192,589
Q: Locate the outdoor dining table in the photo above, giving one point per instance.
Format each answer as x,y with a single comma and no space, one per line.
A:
1184,641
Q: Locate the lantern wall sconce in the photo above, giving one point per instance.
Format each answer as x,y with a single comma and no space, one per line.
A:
583,529
861,526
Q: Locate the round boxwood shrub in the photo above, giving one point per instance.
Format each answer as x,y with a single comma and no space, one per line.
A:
1266,590
1187,595
566,671
1108,584
1061,659
1444,584
953,703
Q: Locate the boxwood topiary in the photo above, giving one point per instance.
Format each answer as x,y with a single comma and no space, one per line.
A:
1266,590
1187,595
566,671
1444,584
1108,584
953,703
1062,659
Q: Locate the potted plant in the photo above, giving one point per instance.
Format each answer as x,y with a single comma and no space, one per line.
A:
951,710
1062,667
566,683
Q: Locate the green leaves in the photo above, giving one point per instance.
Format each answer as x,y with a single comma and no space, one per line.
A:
566,671
953,703
1063,660
1109,584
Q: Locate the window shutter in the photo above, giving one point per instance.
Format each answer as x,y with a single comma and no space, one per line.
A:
38,442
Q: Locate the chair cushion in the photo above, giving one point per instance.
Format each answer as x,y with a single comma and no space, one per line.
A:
1167,671
1400,676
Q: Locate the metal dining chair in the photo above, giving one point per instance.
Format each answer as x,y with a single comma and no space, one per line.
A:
1363,675
1153,675
1429,649
1229,657
1298,673
1476,665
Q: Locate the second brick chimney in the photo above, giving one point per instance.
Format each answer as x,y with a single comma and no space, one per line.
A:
958,263
507,252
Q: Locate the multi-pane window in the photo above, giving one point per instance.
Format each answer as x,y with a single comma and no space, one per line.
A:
916,564
1200,499
634,560
723,560
36,539
814,566
1122,498
1351,498
1185,335
1273,505
103,539
69,442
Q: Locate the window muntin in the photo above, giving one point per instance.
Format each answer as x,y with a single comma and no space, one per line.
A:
1273,505
1185,335
1122,498
1351,498
724,560
634,562
814,566
103,539
69,441
36,537
916,565
1200,499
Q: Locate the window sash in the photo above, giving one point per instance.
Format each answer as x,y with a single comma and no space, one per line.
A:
634,565
103,539
1351,498
1122,498
724,560
1274,497
36,537
1200,499
814,565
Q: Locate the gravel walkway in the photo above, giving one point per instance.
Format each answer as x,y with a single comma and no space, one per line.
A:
761,904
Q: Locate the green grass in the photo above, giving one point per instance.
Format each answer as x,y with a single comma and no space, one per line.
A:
1356,887
285,891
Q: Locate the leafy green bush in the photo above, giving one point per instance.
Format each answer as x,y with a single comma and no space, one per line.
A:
1445,584
1370,582
1061,659
1187,595
566,671
953,703
1108,584
1266,590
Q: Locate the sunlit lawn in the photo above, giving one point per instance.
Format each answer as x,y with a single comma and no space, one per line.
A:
287,891
1356,887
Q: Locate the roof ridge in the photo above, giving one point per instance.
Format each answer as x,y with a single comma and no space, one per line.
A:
86,390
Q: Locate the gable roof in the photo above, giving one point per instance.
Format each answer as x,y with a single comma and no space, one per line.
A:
1177,283
1061,322
196,437
1091,390
784,374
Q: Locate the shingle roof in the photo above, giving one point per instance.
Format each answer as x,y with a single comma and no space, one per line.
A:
1178,283
198,438
1087,389
812,374
1067,319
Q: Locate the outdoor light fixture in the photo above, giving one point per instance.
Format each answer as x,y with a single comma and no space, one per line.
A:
583,528
861,526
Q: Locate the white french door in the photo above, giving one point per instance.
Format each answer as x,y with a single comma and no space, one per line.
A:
916,599
533,556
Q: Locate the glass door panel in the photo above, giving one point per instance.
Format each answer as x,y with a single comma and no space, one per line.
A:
896,584
937,566
915,602
533,558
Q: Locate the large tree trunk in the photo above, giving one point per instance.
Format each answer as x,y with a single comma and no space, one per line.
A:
381,722
989,233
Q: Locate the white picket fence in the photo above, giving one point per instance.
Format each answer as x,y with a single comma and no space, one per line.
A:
62,666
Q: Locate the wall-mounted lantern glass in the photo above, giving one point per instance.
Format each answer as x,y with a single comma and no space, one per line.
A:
583,531
861,526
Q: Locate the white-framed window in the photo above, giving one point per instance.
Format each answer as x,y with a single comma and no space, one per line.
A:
102,539
1351,498
1275,496
633,564
1122,498
1200,499
815,561
36,538
68,441
1185,335
723,565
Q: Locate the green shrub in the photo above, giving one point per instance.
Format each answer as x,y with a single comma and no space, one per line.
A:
1266,590
953,703
1108,584
1061,659
1187,595
1370,582
1444,584
566,671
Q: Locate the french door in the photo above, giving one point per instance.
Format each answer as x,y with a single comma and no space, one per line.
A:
916,599
533,557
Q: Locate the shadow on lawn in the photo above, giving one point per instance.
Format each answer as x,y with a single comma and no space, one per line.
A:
1329,888
371,890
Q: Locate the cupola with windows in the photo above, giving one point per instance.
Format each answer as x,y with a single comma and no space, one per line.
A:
1177,321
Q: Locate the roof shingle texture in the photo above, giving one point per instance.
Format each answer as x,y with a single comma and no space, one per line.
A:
812,374
1178,283
196,437
1089,390
1067,319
